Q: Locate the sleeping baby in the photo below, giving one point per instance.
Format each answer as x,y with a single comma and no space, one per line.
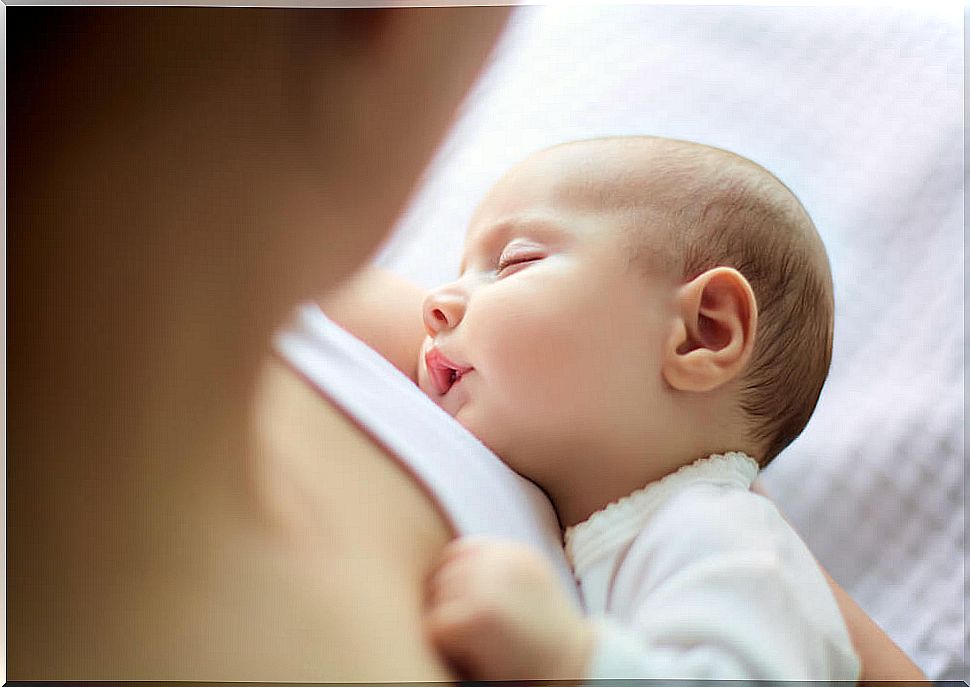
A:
640,325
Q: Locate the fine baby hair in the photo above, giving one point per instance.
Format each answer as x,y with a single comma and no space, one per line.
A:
715,208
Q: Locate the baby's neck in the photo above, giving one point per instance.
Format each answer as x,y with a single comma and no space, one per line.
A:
576,499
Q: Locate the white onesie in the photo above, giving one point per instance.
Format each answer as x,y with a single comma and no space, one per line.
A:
696,577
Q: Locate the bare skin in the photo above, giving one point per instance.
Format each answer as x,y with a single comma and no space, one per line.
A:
179,180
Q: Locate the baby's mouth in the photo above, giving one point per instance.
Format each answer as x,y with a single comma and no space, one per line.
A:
444,373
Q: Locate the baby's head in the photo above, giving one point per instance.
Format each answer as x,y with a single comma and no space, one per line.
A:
632,304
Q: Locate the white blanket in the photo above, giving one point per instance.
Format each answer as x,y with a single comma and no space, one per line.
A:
860,112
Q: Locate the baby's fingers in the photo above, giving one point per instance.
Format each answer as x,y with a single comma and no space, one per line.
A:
463,548
450,622
459,630
459,563
448,583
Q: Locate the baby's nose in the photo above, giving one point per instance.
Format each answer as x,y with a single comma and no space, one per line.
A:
443,309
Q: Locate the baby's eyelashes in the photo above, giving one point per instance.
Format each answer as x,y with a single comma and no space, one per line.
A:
518,256
506,266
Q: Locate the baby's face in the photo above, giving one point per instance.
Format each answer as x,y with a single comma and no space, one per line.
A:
549,343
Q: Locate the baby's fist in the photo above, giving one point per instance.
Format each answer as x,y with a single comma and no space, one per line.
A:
496,611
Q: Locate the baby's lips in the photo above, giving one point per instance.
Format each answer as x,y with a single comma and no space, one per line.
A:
443,372
441,378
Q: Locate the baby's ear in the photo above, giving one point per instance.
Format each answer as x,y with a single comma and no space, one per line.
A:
713,335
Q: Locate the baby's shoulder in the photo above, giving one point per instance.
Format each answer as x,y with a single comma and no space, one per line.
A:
702,531
713,519
716,504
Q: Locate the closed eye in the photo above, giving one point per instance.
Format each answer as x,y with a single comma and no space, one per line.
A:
506,265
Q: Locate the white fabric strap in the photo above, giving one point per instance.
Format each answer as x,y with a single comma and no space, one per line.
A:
475,490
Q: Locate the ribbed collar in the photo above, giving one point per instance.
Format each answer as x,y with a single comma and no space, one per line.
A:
622,520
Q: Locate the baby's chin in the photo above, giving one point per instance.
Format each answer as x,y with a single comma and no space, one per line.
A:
442,402
467,417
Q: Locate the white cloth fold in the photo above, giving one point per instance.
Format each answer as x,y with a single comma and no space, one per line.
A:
477,492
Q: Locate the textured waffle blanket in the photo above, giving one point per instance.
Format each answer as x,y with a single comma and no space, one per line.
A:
860,112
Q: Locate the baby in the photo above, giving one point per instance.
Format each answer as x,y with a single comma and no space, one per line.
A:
640,325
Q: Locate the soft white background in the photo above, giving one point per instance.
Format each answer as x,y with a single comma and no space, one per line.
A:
860,112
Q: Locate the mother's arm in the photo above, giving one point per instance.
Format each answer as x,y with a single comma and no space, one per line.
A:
881,658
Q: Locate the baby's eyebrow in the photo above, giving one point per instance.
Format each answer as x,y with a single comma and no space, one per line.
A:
485,237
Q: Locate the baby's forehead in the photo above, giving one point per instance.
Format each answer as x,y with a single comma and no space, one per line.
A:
595,176
578,181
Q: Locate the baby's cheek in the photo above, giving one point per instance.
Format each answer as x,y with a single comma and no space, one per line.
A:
541,360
